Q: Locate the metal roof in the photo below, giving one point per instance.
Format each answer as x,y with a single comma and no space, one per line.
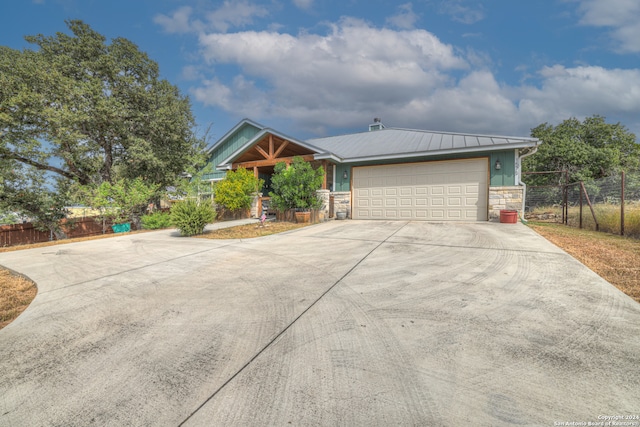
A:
397,143
383,144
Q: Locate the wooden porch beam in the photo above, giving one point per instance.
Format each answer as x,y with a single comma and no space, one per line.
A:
324,180
280,149
261,151
270,162
271,147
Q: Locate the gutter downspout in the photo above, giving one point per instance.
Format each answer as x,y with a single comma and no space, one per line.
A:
524,186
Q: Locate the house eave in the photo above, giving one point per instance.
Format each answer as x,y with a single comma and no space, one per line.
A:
224,167
258,137
232,131
328,156
471,150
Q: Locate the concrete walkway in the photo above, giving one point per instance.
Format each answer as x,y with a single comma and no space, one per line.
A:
343,323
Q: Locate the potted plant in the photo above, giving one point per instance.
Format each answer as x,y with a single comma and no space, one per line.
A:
303,216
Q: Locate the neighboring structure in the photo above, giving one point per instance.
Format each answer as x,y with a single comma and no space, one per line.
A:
391,173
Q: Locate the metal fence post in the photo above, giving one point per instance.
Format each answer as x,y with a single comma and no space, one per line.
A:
622,205
581,185
593,213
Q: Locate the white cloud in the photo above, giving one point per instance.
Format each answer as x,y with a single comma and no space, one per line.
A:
191,72
409,78
583,91
230,14
235,14
303,4
177,22
336,76
461,13
405,18
622,16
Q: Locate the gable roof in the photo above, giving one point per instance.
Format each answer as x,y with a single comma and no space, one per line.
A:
390,143
383,144
233,130
226,163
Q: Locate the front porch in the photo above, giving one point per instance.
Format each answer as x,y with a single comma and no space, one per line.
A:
332,203
272,149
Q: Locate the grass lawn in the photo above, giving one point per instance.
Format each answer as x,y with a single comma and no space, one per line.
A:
614,258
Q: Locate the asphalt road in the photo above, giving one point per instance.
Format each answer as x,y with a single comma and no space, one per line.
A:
345,323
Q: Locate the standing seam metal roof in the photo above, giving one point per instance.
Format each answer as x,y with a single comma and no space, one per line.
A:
396,141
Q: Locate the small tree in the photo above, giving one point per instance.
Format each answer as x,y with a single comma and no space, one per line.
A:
236,191
124,200
26,191
296,187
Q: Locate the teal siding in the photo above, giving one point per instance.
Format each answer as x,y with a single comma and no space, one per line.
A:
505,176
341,183
227,148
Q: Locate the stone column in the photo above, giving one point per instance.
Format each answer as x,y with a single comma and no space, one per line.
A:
342,202
508,197
324,209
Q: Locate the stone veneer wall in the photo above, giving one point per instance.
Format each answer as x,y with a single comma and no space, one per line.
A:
504,198
342,202
323,213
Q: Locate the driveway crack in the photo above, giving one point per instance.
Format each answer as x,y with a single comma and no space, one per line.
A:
287,327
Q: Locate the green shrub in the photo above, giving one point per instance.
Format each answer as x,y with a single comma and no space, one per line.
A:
156,220
296,187
190,217
123,200
236,191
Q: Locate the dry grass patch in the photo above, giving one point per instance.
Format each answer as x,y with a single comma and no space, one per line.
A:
250,231
614,258
16,293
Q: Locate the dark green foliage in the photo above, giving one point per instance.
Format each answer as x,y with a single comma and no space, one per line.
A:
87,111
295,187
125,200
190,217
24,189
236,191
156,220
588,150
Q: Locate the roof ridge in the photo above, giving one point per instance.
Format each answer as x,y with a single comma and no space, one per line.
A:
386,129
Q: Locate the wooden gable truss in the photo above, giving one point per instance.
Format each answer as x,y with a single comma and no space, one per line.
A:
272,149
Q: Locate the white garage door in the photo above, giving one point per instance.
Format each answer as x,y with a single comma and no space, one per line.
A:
452,190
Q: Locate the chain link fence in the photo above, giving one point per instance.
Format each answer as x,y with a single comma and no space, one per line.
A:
610,204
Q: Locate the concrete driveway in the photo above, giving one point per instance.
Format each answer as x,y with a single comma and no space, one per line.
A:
345,323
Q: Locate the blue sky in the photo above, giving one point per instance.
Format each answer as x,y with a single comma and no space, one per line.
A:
311,67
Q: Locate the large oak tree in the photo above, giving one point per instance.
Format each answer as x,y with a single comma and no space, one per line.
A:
86,112
587,150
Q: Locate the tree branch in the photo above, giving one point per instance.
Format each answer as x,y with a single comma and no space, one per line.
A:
41,166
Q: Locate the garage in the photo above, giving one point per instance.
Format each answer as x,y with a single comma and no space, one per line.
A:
452,190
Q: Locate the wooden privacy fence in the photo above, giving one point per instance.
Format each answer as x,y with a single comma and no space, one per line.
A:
23,234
